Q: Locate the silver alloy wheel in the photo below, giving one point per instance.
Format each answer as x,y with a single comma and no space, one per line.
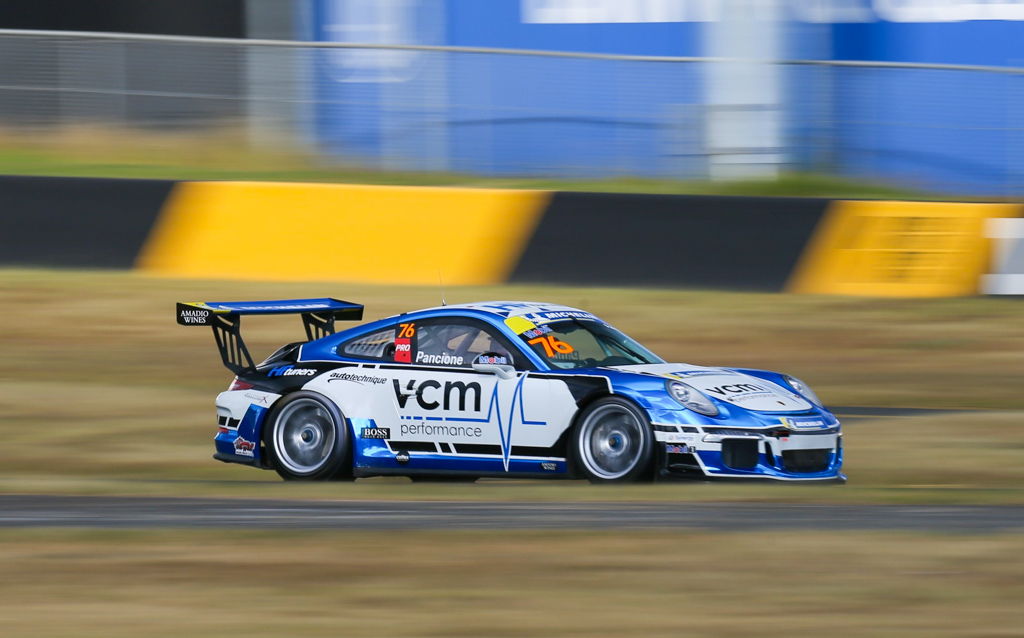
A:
304,434
611,441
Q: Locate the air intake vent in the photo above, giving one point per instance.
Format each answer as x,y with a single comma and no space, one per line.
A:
740,454
806,461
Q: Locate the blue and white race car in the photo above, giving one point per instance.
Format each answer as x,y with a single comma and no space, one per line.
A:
504,389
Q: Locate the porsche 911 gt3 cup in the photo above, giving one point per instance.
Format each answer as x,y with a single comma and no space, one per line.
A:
504,388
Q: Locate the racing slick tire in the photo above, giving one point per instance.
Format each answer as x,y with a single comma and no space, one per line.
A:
307,440
612,442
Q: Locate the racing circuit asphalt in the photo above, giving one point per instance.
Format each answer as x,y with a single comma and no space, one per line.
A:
21,511
30,511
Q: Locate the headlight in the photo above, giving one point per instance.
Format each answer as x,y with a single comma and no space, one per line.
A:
802,388
692,398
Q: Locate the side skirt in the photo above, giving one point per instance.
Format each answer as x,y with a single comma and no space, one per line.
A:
366,472
240,460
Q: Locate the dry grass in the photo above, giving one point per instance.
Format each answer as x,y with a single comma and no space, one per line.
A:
102,393
509,584
98,385
229,152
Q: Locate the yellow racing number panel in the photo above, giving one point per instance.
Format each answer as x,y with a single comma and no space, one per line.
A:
898,249
519,325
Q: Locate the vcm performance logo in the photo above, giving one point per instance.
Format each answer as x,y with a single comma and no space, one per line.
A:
439,398
736,388
454,393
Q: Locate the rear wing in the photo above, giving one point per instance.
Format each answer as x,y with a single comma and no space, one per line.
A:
225,317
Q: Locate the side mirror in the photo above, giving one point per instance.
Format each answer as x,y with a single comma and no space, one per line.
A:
494,363
503,371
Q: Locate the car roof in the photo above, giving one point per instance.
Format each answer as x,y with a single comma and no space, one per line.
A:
504,309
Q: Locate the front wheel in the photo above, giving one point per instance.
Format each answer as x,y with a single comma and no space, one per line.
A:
306,438
612,442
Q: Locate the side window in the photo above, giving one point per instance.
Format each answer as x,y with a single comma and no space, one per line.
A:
372,346
444,344
451,343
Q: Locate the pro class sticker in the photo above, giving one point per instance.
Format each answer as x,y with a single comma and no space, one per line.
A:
404,342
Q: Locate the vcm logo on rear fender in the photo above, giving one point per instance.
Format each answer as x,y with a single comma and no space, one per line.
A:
450,389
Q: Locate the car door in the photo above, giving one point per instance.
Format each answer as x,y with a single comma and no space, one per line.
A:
446,415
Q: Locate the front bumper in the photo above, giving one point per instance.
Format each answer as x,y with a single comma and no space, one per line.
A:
759,453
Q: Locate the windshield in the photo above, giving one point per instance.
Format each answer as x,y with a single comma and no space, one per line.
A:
585,344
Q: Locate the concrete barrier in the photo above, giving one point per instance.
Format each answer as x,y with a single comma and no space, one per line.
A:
77,222
745,243
1006,276
341,232
460,236
899,249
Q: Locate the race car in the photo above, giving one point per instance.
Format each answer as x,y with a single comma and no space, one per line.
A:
501,389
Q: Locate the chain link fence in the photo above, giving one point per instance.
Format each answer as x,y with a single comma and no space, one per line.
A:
503,112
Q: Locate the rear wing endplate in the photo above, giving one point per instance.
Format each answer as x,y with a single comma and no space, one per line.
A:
225,317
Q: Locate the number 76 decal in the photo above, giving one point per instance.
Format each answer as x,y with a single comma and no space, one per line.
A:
552,345
408,330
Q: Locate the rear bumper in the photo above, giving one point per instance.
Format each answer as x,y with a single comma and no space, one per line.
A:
240,415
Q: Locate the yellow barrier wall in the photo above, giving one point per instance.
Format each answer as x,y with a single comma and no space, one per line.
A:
898,249
374,234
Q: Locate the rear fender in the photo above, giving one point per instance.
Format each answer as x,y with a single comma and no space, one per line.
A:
240,417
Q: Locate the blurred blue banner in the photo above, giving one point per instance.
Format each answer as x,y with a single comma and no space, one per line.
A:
495,113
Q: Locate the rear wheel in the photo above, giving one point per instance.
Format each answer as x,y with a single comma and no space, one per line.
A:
612,442
306,438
